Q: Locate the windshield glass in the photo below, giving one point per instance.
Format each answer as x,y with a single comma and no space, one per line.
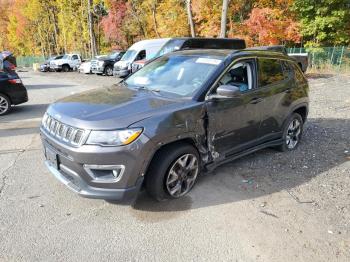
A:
129,55
181,75
65,57
170,46
113,55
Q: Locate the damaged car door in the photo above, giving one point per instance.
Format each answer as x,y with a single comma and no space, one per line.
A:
233,109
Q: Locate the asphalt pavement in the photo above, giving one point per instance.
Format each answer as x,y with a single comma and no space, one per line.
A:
268,206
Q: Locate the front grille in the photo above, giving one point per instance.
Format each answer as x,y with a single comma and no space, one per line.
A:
94,63
71,135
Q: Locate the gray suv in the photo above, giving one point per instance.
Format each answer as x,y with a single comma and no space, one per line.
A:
183,114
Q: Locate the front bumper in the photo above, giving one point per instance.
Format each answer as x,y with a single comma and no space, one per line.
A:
55,67
75,183
71,164
121,73
97,70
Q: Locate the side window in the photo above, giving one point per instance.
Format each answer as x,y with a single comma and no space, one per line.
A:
240,75
141,55
299,77
270,71
287,69
74,57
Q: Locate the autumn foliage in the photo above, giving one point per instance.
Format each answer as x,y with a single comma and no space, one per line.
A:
46,27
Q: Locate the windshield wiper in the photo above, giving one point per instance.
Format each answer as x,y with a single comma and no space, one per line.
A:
148,89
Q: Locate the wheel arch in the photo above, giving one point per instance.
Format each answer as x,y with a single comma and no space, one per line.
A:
183,141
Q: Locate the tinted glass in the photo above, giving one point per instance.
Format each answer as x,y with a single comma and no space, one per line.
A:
74,57
298,74
170,46
270,71
178,75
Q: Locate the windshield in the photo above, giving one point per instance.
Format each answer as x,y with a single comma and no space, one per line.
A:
113,55
129,55
181,75
170,46
65,57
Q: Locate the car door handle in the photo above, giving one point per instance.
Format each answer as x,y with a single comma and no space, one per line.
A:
256,100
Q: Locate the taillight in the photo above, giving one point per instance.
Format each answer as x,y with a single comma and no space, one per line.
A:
15,81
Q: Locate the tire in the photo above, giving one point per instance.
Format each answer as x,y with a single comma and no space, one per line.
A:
5,105
292,133
108,71
65,68
160,175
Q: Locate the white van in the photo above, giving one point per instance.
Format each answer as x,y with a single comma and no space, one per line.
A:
145,49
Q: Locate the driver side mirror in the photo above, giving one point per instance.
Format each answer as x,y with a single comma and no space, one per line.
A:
226,91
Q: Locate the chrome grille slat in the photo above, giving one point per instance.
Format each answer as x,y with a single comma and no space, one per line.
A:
66,133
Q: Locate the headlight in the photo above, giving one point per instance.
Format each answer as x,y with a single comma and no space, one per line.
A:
114,138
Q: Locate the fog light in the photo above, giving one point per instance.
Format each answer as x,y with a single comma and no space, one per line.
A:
105,173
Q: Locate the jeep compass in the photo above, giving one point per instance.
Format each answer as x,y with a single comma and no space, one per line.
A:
183,114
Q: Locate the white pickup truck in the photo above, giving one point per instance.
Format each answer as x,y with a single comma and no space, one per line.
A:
67,63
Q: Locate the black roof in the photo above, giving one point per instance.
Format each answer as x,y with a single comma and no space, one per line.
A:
227,52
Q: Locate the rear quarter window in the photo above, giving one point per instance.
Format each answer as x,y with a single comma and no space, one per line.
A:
270,71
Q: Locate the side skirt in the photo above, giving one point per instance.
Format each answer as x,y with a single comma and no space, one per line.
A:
211,166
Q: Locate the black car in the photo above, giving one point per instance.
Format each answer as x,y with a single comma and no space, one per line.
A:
12,92
45,67
105,64
182,114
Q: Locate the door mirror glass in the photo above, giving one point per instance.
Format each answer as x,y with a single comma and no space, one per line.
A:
228,91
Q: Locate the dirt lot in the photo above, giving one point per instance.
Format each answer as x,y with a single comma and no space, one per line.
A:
268,206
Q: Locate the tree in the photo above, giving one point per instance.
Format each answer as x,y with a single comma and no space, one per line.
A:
324,22
267,26
224,18
93,48
190,17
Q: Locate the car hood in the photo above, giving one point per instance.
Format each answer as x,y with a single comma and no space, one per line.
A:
111,108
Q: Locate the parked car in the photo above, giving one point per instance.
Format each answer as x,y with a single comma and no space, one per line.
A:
104,64
85,67
45,67
184,113
302,59
141,50
67,63
12,92
180,43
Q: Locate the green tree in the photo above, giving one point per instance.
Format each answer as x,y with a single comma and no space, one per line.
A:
324,22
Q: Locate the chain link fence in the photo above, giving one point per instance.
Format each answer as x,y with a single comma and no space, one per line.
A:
28,61
335,58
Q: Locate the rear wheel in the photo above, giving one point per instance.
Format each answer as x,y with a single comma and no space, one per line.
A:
5,104
173,172
292,133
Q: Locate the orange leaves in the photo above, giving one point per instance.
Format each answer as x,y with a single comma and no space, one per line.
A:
267,26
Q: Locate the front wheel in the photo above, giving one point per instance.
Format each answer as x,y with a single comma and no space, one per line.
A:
109,71
173,172
292,133
65,68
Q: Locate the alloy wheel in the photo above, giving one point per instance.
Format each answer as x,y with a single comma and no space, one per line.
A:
4,105
182,175
293,133
109,71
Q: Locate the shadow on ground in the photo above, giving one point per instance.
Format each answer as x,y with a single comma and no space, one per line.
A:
32,87
262,173
23,112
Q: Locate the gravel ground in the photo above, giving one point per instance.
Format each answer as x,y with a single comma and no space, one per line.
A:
268,206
